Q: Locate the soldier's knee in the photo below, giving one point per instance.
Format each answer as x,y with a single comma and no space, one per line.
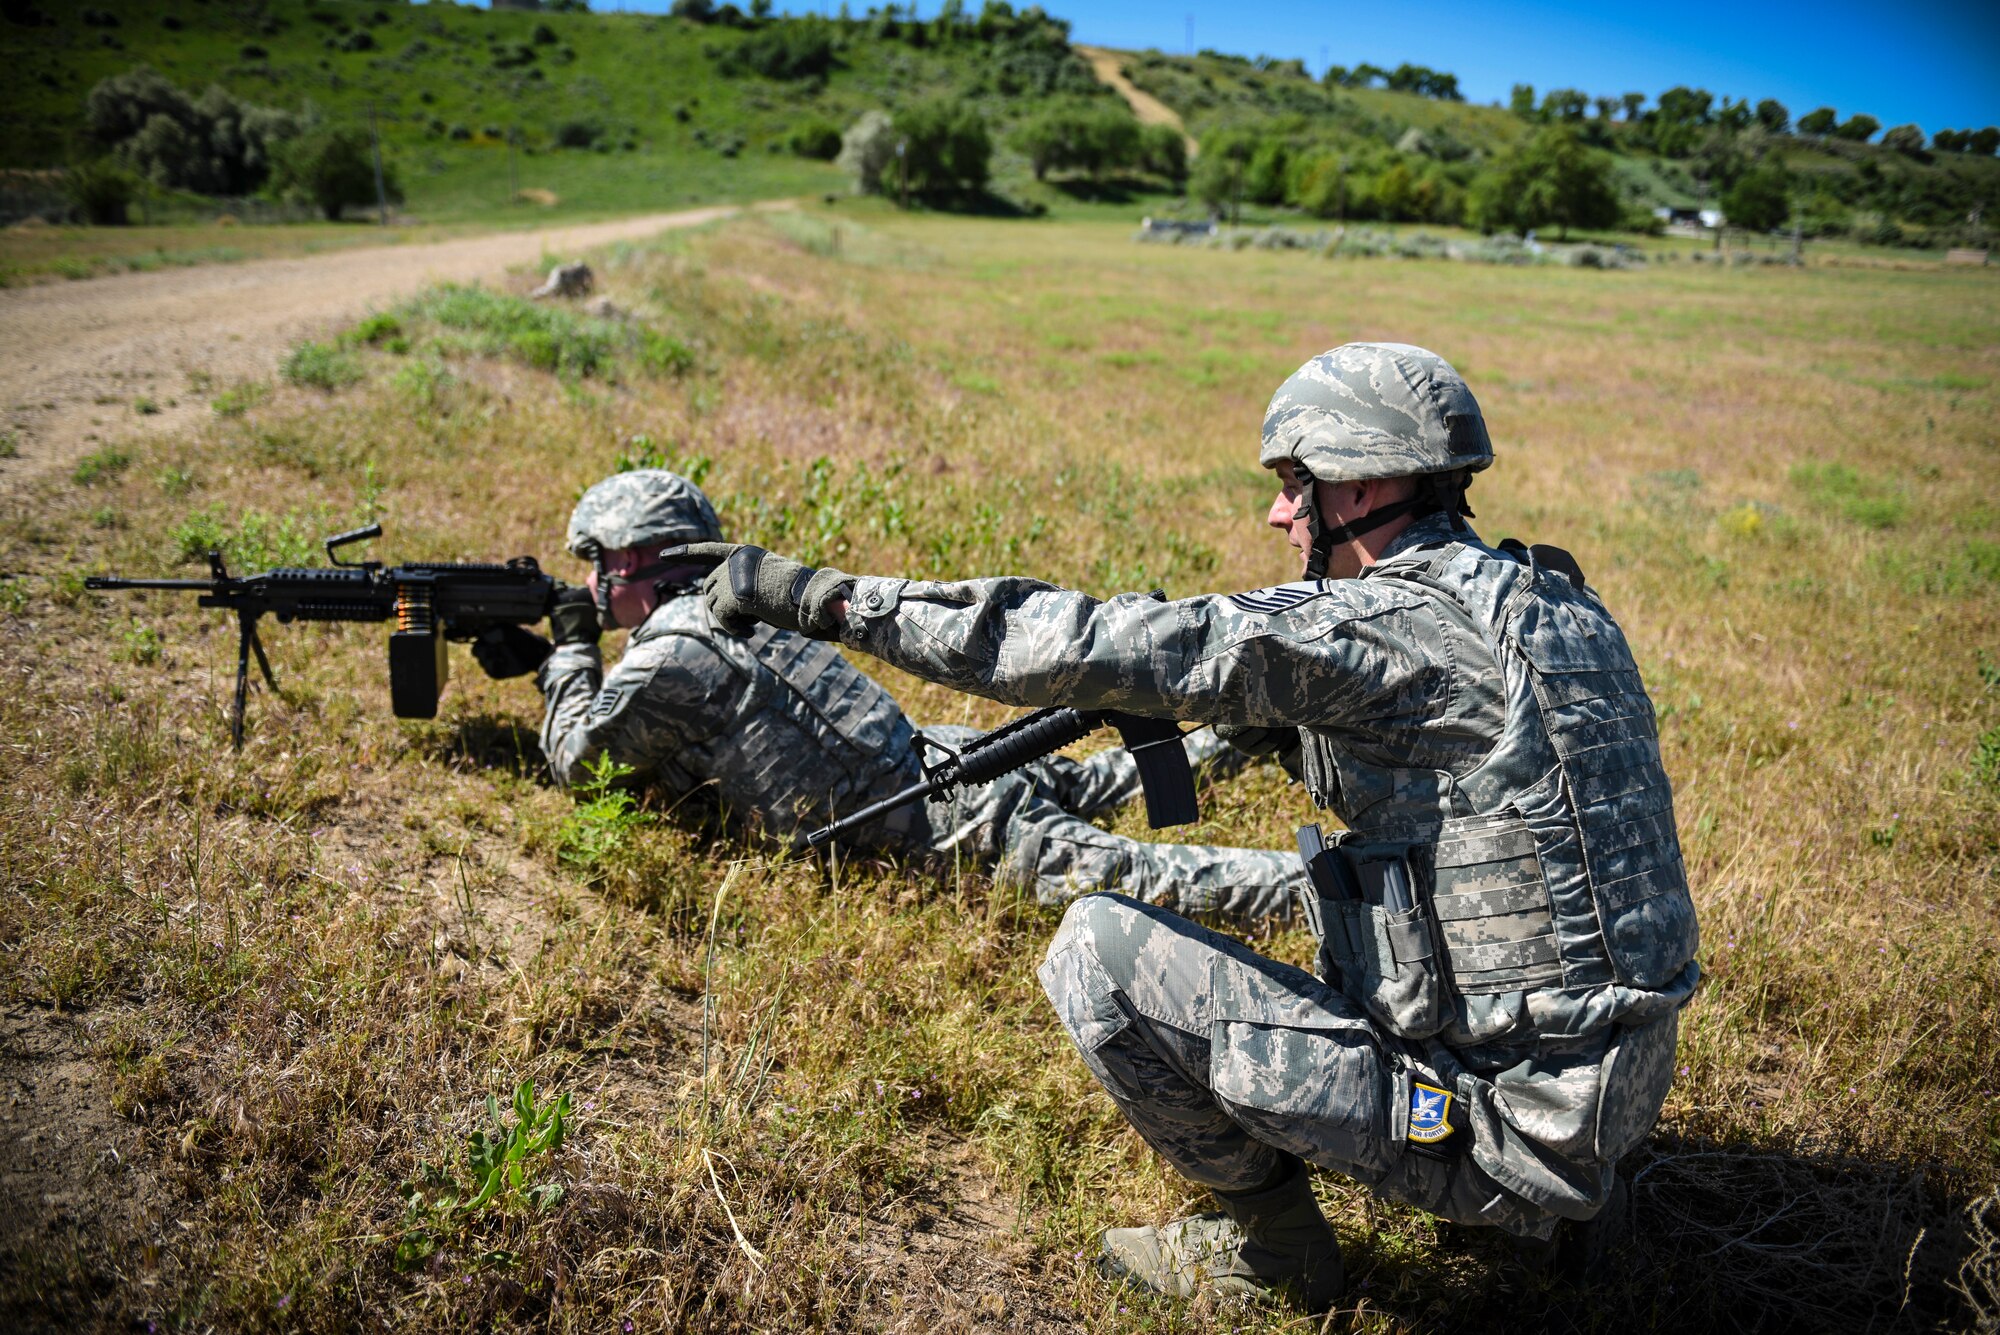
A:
1091,921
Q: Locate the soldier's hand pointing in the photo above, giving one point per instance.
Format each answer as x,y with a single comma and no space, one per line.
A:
749,585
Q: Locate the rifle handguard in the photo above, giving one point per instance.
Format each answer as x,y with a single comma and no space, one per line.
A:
1165,776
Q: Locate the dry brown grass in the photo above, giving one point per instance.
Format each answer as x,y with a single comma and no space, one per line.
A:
306,966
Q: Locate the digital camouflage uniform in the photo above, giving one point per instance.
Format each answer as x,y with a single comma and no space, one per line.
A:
783,733
1462,707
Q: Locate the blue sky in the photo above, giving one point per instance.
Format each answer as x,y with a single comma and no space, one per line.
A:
1935,64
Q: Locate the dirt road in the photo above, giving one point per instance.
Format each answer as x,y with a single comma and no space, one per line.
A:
76,357
1149,109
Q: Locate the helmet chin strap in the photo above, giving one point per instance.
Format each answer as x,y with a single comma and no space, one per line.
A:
1325,539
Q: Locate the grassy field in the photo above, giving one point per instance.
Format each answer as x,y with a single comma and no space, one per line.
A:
830,1095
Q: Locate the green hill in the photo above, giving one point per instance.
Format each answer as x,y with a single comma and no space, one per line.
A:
609,112
601,113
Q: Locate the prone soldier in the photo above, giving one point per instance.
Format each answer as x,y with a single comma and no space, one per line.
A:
783,731
1507,935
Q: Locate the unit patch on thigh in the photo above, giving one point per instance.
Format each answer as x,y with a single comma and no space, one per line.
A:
1430,1114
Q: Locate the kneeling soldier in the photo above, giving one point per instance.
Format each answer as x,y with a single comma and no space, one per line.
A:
1506,931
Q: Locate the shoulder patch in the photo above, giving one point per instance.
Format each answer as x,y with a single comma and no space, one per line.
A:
1280,597
608,700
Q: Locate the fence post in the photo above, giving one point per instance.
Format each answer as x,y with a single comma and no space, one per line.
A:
381,195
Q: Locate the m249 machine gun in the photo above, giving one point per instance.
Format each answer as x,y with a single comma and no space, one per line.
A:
430,602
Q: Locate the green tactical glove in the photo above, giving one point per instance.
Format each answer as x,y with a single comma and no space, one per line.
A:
749,584
1255,740
573,619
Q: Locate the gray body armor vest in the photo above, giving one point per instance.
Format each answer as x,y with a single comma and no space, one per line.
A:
799,733
1549,892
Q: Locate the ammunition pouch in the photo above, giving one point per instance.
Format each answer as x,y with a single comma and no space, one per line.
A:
1405,928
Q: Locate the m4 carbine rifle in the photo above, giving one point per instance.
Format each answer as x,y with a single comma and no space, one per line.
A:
1155,743
429,601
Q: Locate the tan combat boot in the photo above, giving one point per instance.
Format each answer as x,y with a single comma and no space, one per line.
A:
1271,1245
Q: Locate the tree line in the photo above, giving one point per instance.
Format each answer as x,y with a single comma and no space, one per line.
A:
1674,125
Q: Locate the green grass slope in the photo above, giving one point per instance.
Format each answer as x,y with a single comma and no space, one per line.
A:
450,85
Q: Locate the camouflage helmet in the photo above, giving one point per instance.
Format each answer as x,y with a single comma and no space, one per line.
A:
648,507
1375,410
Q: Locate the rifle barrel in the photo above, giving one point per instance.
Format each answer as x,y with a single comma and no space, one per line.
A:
928,788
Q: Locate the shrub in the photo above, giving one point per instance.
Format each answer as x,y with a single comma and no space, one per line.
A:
102,465
815,139
791,51
332,167
101,191
320,366
867,150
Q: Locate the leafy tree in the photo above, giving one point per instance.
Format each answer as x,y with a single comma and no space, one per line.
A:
1735,115
760,9
1607,107
1771,114
696,11
1554,178
1565,104
214,144
332,166
1983,142
1266,176
1522,101
1163,152
1950,141
1632,102
1094,136
1819,121
946,150
1860,128
1904,139
1760,200
1217,178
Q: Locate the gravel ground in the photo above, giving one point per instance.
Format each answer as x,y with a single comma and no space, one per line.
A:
76,356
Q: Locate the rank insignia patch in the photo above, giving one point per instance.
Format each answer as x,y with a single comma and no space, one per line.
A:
1279,597
1430,1114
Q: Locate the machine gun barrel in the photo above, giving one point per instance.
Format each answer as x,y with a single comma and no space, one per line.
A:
117,582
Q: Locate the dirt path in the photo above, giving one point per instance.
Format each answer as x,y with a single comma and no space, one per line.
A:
1149,109
75,357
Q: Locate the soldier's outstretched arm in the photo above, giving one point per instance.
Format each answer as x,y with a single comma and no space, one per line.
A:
1351,649
647,709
